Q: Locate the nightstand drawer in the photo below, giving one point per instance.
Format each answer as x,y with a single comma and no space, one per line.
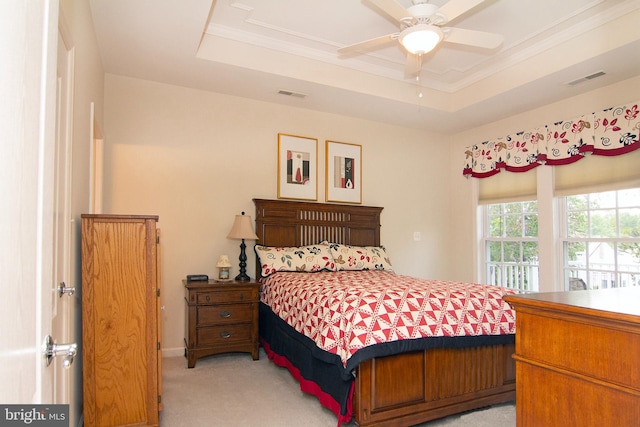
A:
232,295
218,335
224,313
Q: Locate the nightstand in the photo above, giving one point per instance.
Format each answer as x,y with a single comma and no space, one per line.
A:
221,317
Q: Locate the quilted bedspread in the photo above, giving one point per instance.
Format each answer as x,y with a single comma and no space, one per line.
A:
345,311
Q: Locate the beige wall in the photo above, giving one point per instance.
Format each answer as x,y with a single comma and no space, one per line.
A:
196,159
462,201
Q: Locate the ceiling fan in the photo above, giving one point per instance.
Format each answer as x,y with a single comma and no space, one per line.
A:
421,29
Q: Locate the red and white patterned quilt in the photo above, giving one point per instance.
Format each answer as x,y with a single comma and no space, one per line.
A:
345,311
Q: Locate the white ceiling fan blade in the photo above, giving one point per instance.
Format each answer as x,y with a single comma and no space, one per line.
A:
368,45
393,9
454,8
472,38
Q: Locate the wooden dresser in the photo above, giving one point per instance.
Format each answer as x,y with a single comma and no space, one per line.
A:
578,358
120,321
221,318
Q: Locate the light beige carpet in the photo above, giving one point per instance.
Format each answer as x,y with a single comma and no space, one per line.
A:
232,390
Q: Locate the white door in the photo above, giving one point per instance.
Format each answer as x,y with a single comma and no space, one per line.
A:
28,43
62,330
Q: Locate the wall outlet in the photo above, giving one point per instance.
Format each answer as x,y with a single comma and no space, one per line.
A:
416,236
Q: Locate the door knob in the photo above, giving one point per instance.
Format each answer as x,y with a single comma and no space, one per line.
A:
50,350
62,289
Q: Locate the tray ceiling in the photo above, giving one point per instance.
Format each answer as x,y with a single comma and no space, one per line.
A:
285,51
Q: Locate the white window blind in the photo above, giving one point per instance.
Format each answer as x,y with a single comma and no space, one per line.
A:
598,173
508,187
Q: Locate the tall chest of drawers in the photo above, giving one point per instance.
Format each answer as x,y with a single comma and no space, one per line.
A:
121,330
220,318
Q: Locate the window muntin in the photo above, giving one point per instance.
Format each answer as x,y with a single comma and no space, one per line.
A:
511,246
601,245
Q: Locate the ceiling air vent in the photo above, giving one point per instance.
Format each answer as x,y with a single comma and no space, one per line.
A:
292,93
586,78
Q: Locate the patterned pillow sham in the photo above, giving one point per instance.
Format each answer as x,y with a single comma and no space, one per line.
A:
307,259
360,257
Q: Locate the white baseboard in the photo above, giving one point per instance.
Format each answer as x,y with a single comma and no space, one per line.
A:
173,352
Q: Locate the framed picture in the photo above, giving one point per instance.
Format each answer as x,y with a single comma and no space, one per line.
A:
343,172
297,167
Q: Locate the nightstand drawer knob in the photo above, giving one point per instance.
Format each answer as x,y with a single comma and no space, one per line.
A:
225,334
225,314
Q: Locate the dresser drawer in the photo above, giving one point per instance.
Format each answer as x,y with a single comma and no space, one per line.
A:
231,295
224,313
218,335
585,351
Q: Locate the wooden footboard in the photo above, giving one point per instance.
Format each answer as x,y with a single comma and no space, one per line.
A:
412,388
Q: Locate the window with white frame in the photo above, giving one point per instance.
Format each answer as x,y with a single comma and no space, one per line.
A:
584,174
511,245
601,239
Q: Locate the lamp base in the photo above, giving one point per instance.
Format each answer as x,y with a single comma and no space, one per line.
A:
243,278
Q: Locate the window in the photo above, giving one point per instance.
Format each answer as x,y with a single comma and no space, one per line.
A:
511,245
601,240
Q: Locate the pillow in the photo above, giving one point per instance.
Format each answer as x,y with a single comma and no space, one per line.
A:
307,259
360,257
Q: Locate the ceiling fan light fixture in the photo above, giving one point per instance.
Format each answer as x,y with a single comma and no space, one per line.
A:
421,38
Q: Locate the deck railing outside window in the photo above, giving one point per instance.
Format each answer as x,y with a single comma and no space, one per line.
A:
523,277
511,245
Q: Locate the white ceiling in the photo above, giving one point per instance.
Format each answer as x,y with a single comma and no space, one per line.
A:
255,48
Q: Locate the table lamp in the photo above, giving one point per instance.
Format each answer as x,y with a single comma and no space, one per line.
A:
241,230
224,266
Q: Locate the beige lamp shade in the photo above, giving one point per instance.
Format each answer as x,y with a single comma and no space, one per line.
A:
223,261
224,268
242,228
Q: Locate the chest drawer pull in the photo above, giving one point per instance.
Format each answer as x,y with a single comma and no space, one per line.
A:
225,314
208,298
225,334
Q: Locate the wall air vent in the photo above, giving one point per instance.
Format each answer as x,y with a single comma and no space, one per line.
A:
586,78
292,93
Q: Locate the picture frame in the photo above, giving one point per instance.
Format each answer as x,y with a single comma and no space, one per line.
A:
297,167
343,172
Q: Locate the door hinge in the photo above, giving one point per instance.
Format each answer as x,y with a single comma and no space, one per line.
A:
158,345
157,292
159,399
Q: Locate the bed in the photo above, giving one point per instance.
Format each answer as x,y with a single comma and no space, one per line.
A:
390,384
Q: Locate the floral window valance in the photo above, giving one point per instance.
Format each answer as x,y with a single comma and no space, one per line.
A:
611,132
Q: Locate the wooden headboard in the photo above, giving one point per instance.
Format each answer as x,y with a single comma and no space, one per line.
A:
289,223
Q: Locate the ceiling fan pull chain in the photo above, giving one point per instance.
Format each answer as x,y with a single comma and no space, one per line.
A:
419,66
